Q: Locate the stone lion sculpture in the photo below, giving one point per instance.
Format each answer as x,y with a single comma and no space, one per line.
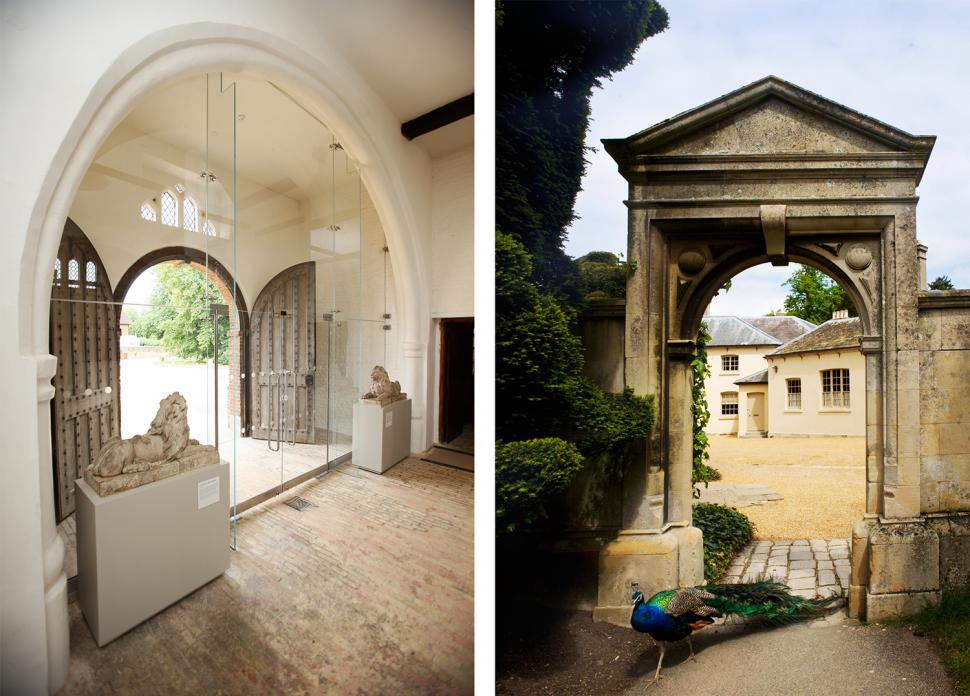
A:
381,386
166,440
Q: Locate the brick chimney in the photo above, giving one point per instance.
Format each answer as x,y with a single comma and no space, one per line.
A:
780,313
840,314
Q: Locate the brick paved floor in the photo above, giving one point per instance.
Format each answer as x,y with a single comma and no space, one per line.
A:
811,567
369,591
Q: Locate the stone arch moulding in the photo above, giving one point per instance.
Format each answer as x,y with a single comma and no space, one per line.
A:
330,89
853,261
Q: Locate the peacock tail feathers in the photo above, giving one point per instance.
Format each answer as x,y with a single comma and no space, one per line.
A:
768,603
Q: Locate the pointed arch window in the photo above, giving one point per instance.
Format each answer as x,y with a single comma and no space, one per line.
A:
169,210
189,217
147,213
208,229
73,273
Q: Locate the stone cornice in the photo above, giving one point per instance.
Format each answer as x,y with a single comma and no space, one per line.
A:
758,202
943,299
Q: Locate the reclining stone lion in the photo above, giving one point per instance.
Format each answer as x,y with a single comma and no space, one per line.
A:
168,439
381,386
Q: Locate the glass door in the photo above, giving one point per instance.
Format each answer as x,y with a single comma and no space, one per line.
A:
297,263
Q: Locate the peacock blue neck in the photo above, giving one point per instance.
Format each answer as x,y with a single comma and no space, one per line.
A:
647,618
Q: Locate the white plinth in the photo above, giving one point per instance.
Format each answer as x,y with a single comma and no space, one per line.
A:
141,551
382,435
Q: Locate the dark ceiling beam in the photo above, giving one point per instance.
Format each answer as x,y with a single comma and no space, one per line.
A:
439,118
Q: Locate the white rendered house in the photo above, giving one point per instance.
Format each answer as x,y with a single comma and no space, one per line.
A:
737,349
785,377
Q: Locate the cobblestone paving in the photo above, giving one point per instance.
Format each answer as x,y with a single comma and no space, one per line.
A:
810,567
738,495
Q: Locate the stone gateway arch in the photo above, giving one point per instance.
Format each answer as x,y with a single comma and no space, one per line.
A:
772,173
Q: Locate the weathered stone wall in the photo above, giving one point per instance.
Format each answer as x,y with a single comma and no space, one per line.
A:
602,330
944,416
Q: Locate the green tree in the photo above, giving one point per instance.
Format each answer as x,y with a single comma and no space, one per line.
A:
175,311
814,297
941,283
549,57
603,274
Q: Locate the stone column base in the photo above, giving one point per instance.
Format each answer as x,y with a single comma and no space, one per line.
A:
904,568
674,558
880,607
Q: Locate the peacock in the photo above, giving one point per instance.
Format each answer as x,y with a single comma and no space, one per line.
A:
675,614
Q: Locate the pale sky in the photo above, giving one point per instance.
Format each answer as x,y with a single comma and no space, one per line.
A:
903,63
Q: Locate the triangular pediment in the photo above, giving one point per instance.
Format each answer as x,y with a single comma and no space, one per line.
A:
770,116
772,125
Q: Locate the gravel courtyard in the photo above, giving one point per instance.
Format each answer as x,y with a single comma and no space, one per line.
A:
822,481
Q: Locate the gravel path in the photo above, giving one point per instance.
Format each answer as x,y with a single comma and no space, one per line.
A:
822,481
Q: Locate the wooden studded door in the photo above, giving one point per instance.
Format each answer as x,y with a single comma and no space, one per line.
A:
84,329
283,356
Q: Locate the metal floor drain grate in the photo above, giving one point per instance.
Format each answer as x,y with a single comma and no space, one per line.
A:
298,503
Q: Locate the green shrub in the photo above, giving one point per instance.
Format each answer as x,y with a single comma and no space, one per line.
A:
150,342
527,474
726,531
713,474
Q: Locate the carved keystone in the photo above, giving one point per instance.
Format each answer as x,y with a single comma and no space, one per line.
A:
773,227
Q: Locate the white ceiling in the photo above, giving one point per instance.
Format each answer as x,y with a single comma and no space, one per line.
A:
277,144
416,55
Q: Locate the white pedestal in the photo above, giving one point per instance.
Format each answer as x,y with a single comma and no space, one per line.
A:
382,435
141,551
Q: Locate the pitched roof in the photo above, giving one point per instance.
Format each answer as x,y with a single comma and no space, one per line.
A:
760,377
732,331
783,328
124,316
835,334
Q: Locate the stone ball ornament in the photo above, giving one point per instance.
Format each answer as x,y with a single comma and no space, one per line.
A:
858,257
691,261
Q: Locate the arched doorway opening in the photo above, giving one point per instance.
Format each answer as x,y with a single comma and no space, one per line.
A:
257,193
786,430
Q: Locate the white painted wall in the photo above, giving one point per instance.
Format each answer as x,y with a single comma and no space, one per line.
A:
814,418
453,239
68,77
750,359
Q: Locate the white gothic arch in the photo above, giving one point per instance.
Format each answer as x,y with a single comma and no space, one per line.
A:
339,98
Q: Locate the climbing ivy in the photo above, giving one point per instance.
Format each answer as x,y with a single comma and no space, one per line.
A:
701,472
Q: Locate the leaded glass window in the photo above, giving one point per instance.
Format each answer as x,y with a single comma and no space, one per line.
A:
835,389
169,210
91,272
207,228
188,215
73,273
794,393
147,213
729,403
57,269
